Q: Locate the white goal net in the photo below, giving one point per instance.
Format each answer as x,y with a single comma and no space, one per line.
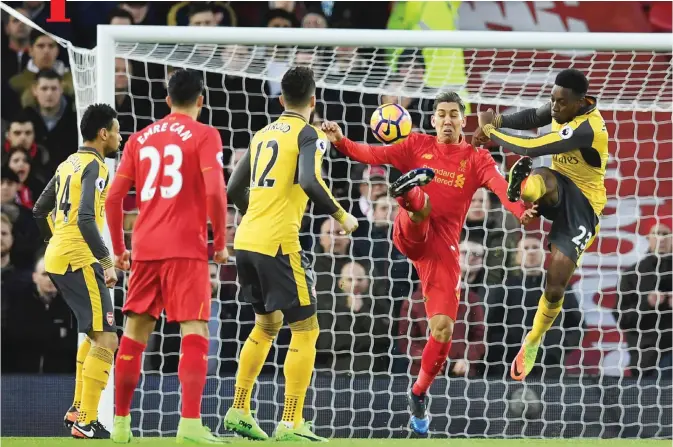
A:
603,368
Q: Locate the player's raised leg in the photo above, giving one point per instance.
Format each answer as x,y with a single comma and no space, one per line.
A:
298,369
137,332
433,358
531,185
71,415
559,272
253,355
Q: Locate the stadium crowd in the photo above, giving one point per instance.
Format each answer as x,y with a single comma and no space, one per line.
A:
371,311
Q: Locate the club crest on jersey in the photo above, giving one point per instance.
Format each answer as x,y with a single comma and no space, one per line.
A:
566,132
100,184
110,318
321,145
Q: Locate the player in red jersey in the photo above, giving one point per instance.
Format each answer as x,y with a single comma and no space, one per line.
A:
176,165
429,232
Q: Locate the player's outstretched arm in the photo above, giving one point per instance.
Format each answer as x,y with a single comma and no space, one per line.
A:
239,184
86,216
572,136
525,119
311,150
43,207
364,153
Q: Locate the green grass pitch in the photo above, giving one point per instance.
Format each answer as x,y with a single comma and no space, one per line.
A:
235,442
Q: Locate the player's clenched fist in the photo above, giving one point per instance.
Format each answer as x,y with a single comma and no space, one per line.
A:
332,130
349,224
221,256
110,277
123,262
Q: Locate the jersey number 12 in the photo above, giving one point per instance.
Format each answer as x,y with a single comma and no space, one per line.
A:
263,181
171,170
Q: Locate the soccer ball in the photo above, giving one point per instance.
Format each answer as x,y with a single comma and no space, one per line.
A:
390,123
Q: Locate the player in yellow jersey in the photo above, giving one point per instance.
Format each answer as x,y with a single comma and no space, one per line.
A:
271,185
78,262
571,192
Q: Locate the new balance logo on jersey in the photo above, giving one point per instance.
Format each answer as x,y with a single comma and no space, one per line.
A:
427,156
126,357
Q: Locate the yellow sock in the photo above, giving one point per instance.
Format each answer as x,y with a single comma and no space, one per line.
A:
544,317
82,352
298,368
533,188
253,355
95,373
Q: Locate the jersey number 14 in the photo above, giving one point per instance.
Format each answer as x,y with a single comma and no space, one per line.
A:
171,170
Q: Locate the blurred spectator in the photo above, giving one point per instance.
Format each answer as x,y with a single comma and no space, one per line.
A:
120,16
472,266
31,181
511,309
16,55
646,299
355,333
333,253
44,53
483,227
26,238
374,183
314,19
285,6
201,14
280,18
467,346
142,12
42,336
54,118
21,134
396,272
181,13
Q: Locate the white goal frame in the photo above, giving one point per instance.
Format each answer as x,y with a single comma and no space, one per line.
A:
109,36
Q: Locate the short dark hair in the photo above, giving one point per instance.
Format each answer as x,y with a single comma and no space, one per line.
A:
35,34
47,73
119,12
283,14
20,117
449,97
297,86
185,87
95,118
574,80
199,7
9,175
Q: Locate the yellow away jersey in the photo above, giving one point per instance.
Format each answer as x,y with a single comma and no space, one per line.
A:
579,147
81,184
277,201
576,164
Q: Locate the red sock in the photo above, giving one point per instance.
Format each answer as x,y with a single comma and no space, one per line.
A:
412,200
127,373
192,371
432,360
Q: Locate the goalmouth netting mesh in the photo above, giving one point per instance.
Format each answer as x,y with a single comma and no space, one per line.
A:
602,371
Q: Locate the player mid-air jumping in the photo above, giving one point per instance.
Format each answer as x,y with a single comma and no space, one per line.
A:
571,192
176,165
429,232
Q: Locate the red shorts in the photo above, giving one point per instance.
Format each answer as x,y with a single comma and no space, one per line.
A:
436,262
181,286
